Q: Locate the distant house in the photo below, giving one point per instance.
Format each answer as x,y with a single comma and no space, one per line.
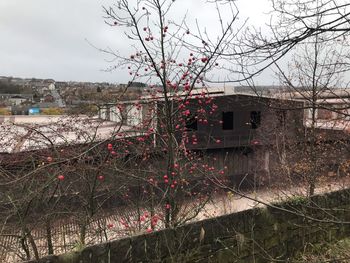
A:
48,98
44,105
14,96
127,113
16,99
332,108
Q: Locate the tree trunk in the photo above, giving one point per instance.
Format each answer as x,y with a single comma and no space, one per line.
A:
32,242
49,237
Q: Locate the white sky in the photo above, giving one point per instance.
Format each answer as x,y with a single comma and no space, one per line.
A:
47,38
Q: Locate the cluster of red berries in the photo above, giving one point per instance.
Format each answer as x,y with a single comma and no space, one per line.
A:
110,149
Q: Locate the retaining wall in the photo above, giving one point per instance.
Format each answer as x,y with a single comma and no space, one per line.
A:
254,235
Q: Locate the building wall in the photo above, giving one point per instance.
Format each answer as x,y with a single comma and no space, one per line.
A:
244,131
244,167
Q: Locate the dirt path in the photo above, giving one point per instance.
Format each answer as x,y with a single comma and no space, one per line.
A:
233,202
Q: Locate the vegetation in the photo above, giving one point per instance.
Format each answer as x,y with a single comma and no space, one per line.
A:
8,88
52,111
5,111
338,251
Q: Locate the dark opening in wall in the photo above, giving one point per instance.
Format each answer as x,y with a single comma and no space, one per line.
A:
227,120
281,117
108,114
255,119
192,124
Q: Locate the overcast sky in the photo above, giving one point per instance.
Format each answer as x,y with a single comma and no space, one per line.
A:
50,38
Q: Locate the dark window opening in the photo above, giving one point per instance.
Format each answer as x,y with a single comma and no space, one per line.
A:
255,119
227,120
192,124
108,114
281,116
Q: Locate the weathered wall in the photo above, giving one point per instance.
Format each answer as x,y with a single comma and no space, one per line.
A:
260,233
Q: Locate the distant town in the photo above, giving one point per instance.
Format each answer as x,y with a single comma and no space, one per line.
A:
33,96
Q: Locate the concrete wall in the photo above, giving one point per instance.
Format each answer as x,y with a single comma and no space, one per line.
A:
255,235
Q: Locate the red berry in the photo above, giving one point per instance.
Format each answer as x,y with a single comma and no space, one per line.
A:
101,177
60,177
49,159
255,142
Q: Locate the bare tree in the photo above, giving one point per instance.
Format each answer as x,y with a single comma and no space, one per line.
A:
143,176
315,76
178,59
292,23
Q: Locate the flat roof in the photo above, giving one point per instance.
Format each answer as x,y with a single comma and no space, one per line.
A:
26,133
